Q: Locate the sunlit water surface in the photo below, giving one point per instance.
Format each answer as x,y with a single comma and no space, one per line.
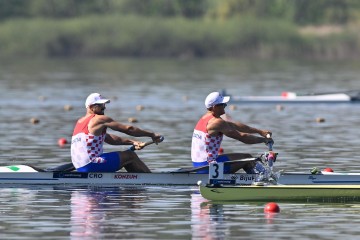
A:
172,94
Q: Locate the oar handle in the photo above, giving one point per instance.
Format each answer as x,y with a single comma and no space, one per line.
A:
132,148
270,144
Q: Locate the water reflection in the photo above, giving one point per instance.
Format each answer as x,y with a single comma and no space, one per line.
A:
86,217
207,220
92,209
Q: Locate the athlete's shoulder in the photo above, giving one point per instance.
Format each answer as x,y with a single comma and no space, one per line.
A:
103,118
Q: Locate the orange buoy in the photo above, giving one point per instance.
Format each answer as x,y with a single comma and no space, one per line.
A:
328,170
62,142
271,207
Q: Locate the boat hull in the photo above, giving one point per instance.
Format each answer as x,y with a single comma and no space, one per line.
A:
275,99
279,192
294,98
165,178
118,178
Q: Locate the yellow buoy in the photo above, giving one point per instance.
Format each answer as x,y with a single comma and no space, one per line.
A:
279,107
132,120
34,120
68,108
232,107
320,119
42,98
139,107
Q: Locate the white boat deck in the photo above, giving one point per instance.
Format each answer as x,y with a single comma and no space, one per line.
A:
163,178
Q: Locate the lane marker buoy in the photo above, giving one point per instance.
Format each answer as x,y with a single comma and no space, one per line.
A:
62,142
271,207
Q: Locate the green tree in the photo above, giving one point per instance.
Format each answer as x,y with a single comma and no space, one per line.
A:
166,8
14,8
259,8
68,8
323,11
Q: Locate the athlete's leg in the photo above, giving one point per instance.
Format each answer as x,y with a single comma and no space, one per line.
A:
132,163
107,162
248,166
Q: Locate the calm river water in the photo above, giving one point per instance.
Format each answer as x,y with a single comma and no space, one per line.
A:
172,93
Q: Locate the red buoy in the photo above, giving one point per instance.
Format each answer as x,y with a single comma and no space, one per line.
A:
62,142
271,207
221,151
328,170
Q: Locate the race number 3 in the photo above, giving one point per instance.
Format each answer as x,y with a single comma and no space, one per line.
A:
216,170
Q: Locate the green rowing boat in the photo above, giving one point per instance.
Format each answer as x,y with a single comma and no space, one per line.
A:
278,192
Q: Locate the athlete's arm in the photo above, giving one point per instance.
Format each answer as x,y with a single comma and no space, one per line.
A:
116,140
102,121
218,125
247,129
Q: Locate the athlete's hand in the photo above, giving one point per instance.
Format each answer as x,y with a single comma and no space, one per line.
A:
266,134
138,145
157,138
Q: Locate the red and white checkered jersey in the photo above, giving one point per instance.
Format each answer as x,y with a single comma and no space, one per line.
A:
86,147
204,147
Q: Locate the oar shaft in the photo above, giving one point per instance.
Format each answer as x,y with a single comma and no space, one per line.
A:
194,169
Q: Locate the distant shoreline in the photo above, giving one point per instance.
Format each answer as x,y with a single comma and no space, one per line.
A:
139,37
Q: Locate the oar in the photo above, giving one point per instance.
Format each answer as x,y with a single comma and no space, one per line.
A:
270,144
132,148
189,170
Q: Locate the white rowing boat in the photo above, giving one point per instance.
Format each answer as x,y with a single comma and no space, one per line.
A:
27,175
291,97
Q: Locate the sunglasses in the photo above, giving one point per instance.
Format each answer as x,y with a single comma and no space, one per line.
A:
99,104
221,104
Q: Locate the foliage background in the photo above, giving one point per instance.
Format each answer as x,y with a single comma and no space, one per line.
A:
321,29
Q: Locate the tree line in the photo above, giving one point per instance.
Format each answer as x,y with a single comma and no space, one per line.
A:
180,28
300,12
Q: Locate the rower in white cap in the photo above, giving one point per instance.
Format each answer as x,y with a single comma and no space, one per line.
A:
208,135
90,134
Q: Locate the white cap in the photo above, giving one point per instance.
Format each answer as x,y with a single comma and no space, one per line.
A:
215,98
95,98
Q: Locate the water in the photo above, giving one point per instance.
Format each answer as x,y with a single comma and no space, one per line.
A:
172,93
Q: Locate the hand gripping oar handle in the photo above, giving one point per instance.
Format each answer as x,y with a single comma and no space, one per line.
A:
132,148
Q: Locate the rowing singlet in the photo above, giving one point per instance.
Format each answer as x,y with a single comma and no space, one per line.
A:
204,148
86,147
